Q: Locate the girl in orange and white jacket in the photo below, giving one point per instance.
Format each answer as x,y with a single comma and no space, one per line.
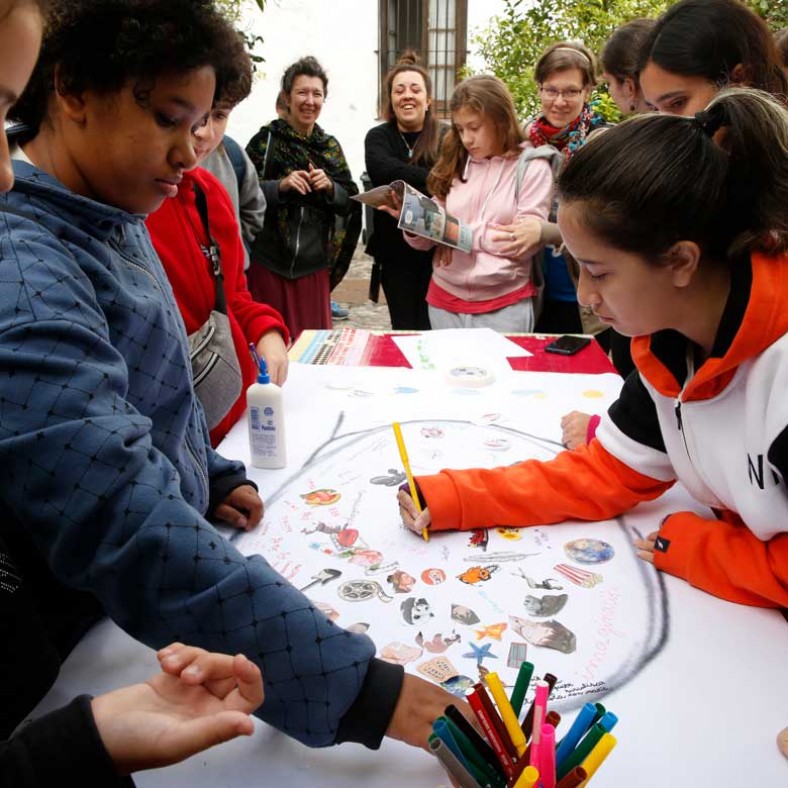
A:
680,229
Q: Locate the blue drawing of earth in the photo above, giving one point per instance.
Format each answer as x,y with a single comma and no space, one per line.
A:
589,551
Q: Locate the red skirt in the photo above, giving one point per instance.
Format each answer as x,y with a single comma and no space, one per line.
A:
303,303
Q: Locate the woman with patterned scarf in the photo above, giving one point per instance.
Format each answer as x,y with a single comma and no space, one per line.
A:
566,74
311,225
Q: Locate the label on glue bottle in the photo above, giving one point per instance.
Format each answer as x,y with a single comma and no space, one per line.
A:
266,422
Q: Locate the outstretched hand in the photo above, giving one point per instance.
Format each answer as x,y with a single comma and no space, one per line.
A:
199,700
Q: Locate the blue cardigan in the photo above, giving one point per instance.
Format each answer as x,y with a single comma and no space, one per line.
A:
108,470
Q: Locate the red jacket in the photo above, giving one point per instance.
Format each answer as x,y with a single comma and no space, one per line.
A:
177,233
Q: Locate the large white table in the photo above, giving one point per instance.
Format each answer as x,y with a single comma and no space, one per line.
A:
705,711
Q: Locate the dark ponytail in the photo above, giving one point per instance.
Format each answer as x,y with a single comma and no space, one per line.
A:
655,180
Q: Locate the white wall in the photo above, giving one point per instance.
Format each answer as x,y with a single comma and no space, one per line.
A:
343,36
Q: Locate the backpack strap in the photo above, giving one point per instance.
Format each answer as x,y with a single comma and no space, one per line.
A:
235,154
211,252
551,155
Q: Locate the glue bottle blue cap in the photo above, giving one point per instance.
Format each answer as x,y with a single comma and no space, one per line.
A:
262,375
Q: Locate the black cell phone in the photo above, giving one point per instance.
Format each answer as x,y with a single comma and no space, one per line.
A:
567,345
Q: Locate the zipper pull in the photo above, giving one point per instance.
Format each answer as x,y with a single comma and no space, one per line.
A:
677,410
215,260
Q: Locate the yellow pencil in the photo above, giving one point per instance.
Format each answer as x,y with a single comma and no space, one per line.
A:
403,455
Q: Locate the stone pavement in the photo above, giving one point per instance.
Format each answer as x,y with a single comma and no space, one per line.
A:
352,293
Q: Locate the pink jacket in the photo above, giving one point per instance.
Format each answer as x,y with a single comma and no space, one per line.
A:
485,198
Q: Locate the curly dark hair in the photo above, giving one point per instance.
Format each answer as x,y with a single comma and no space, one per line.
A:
101,45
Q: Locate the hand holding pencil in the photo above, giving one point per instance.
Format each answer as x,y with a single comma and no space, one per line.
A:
413,519
420,523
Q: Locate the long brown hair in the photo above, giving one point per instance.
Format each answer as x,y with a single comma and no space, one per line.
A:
425,151
488,96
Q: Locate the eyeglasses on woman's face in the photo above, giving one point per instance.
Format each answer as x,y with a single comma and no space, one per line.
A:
553,94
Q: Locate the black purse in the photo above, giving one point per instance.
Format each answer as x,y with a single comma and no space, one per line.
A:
216,373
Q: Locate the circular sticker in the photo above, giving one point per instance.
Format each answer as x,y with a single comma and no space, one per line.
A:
589,551
433,576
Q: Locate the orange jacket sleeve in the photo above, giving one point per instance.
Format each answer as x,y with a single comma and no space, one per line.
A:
586,484
725,558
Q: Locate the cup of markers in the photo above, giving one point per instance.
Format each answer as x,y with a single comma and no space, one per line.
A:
521,754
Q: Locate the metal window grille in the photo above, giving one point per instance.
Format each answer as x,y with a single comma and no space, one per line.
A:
436,30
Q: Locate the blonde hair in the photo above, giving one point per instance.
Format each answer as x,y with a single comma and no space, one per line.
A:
488,96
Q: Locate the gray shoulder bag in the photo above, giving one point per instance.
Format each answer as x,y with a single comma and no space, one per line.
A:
216,372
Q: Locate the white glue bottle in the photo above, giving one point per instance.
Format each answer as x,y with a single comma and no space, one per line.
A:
265,415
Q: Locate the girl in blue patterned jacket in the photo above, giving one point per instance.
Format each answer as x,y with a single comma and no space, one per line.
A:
109,474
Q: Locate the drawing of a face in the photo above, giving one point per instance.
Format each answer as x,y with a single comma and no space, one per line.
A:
548,634
415,610
403,582
433,576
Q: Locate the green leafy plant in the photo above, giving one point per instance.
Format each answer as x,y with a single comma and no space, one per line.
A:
513,41
233,10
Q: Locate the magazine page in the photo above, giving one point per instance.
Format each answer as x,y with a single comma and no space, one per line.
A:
420,215
389,196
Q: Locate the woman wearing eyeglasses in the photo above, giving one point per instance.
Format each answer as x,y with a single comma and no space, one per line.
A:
566,74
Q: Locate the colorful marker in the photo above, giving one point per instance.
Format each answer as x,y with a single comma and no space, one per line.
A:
458,772
598,755
492,726
478,742
255,357
547,756
528,779
582,751
579,727
507,713
552,718
520,690
540,712
528,722
574,778
476,764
